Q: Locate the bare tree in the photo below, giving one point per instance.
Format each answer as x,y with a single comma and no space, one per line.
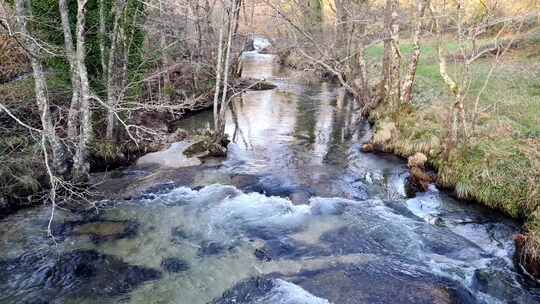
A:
50,137
71,55
231,11
81,166
114,77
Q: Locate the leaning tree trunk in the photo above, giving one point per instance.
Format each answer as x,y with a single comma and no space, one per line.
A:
59,156
458,110
81,165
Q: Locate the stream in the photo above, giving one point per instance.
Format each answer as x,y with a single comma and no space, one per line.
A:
296,214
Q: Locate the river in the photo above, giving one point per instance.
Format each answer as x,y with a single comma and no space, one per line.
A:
296,214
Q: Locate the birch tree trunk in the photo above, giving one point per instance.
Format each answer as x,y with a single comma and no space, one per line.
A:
81,166
73,116
23,13
219,65
408,84
395,70
220,127
458,109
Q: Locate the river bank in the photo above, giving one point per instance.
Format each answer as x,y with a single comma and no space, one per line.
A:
499,166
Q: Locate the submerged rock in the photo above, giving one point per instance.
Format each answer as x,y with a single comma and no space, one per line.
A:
382,282
81,273
212,248
248,291
174,265
500,285
376,282
97,230
268,291
276,249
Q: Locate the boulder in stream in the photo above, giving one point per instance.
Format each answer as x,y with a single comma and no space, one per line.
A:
419,178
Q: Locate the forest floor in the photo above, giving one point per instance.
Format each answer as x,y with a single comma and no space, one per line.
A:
499,166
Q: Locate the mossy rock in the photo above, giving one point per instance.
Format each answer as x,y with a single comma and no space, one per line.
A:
206,145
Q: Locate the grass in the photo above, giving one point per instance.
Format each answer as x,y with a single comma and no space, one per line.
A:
500,165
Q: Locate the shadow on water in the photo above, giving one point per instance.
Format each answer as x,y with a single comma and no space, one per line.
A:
296,214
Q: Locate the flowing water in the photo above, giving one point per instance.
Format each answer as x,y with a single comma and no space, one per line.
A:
296,214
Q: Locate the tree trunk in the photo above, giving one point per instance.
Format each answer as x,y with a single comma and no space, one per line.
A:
73,116
81,166
102,30
219,66
458,110
165,61
59,156
387,55
220,127
408,84
113,72
396,56
342,22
